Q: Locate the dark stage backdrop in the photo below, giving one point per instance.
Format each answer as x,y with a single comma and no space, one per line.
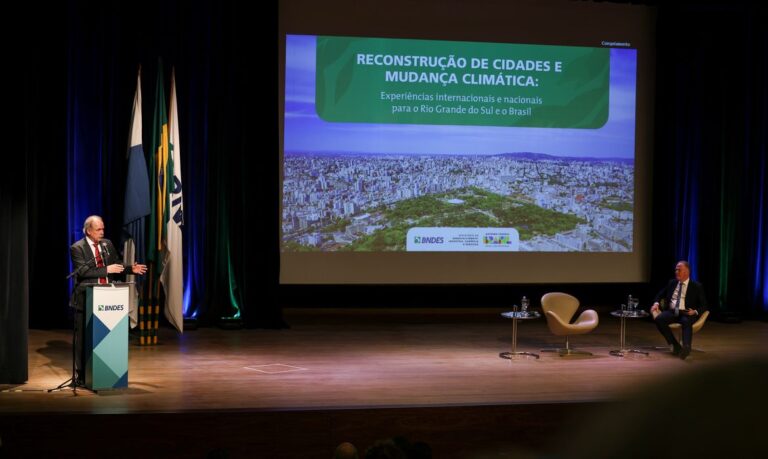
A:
78,73
82,71
710,172
14,286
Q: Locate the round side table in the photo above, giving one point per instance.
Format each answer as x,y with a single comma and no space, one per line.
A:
515,316
624,315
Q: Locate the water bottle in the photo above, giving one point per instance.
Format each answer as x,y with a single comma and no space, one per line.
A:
629,303
524,304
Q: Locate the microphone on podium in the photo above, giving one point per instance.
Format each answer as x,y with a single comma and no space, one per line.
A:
104,249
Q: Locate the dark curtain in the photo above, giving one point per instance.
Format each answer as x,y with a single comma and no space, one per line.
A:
710,163
84,79
14,301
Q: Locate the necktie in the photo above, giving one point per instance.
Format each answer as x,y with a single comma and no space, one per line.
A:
99,263
679,296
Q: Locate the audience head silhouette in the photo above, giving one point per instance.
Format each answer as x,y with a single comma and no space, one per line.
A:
346,450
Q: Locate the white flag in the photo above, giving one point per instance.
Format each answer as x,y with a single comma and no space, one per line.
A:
173,273
137,205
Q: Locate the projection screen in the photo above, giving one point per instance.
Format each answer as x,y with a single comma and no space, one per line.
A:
486,142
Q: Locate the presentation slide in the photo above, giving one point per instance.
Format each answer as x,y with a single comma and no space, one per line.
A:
414,145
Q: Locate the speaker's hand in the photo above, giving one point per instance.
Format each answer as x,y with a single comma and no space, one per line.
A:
115,269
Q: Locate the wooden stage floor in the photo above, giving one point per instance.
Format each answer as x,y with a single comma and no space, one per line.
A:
359,361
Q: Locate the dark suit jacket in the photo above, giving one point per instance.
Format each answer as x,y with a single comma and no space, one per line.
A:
694,296
83,260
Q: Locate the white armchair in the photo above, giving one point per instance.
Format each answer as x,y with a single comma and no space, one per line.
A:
559,309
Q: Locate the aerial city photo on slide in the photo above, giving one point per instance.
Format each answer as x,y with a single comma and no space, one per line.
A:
425,145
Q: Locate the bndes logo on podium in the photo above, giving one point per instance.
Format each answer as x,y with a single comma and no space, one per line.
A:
447,239
111,307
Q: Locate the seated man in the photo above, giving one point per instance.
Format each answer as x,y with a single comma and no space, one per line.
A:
685,301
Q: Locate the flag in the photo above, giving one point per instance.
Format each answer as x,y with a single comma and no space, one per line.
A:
173,273
159,198
136,208
158,165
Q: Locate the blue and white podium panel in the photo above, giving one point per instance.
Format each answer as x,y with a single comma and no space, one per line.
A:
106,337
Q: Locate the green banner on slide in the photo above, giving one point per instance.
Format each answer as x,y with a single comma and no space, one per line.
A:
380,80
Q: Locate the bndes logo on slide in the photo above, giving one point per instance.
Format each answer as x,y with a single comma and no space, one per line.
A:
428,240
110,307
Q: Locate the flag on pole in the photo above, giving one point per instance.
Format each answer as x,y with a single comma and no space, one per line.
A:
137,207
173,273
158,165
156,241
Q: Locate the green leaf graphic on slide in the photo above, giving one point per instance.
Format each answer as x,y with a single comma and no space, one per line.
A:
585,68
326,47
590,70
592,119
344,81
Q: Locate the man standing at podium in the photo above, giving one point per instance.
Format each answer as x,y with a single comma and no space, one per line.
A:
96,261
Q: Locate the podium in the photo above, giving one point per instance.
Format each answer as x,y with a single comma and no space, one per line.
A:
106,336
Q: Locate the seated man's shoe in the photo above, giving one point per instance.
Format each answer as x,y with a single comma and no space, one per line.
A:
685,352
676,349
